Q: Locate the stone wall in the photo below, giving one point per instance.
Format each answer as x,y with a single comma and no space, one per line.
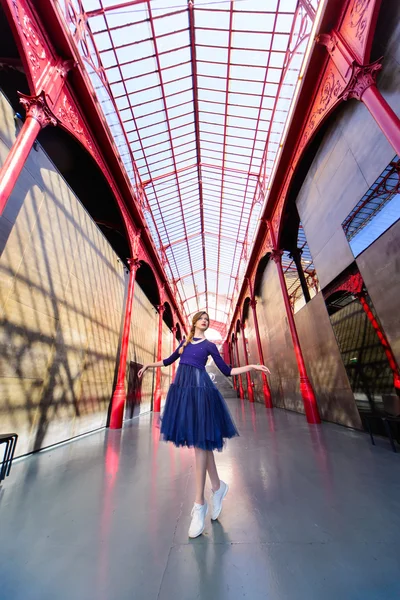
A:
350,157
62,295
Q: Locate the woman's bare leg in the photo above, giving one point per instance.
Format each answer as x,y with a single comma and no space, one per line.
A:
201,471
212,471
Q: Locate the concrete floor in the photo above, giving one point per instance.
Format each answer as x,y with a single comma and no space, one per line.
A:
313,513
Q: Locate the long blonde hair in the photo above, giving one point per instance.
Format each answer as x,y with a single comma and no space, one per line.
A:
196,317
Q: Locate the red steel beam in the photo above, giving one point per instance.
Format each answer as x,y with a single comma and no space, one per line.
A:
192,37
221,201
255,135
157,58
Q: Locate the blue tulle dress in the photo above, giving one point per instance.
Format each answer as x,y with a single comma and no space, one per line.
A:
195,413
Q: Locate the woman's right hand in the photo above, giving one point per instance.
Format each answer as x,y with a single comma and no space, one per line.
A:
142,371
261,368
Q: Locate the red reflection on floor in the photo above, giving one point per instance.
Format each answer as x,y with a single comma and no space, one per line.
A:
111,468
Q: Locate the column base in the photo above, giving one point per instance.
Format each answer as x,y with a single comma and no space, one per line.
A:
117,408
250,391
309,401
267,397
157,403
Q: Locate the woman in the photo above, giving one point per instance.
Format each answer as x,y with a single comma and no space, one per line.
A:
196,414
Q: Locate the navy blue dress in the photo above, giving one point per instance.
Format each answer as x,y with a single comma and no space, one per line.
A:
195,413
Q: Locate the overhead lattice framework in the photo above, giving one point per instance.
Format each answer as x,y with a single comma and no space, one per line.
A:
386,186
197,96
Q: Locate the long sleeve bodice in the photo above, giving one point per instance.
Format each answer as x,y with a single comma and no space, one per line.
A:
196,355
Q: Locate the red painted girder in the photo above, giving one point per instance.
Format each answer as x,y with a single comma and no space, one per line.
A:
56,30
244,248
157,58
197,135
224,141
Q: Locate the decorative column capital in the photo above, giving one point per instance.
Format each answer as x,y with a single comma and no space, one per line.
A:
134,239
174,329
37,108
276,256
253,303
160,308
329,40
133,263
362,77
295,253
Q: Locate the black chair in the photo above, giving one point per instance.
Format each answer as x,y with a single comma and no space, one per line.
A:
10,440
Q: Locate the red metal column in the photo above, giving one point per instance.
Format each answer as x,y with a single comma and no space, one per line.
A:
382,339
362,87
383,114
225,351
157,393
119,395
174,330
38,115
241,391
307,392
231,361
385,117
266,388
246,359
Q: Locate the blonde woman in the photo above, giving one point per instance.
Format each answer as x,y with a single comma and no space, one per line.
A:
196,415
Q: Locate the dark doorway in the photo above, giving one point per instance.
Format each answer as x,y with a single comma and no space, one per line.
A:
134,396
364,358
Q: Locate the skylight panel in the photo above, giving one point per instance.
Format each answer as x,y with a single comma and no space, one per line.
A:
247,21
251,41
170,23
211,38
209,53
161,115
178,39
136,68
211,69
250,57
91,4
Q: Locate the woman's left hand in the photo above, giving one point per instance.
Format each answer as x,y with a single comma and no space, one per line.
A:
262,368
142,371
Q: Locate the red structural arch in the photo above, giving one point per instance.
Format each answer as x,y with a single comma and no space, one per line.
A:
341,63
54,97
245,309
227,171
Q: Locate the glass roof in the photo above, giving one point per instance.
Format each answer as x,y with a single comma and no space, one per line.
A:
197,96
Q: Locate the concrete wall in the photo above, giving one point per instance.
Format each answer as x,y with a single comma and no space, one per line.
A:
166,372
379,266
143,342
62,295
351,156
277,343
324,364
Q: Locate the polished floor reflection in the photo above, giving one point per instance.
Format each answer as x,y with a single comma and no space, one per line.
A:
312,513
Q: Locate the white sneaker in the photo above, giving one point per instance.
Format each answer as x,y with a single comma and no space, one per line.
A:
217,498
199,512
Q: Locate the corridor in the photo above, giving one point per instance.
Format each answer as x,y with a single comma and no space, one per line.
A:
313,512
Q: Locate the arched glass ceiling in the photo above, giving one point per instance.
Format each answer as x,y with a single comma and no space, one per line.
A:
197,96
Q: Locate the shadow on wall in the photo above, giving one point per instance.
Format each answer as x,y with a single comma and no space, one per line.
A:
59,329
61,301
